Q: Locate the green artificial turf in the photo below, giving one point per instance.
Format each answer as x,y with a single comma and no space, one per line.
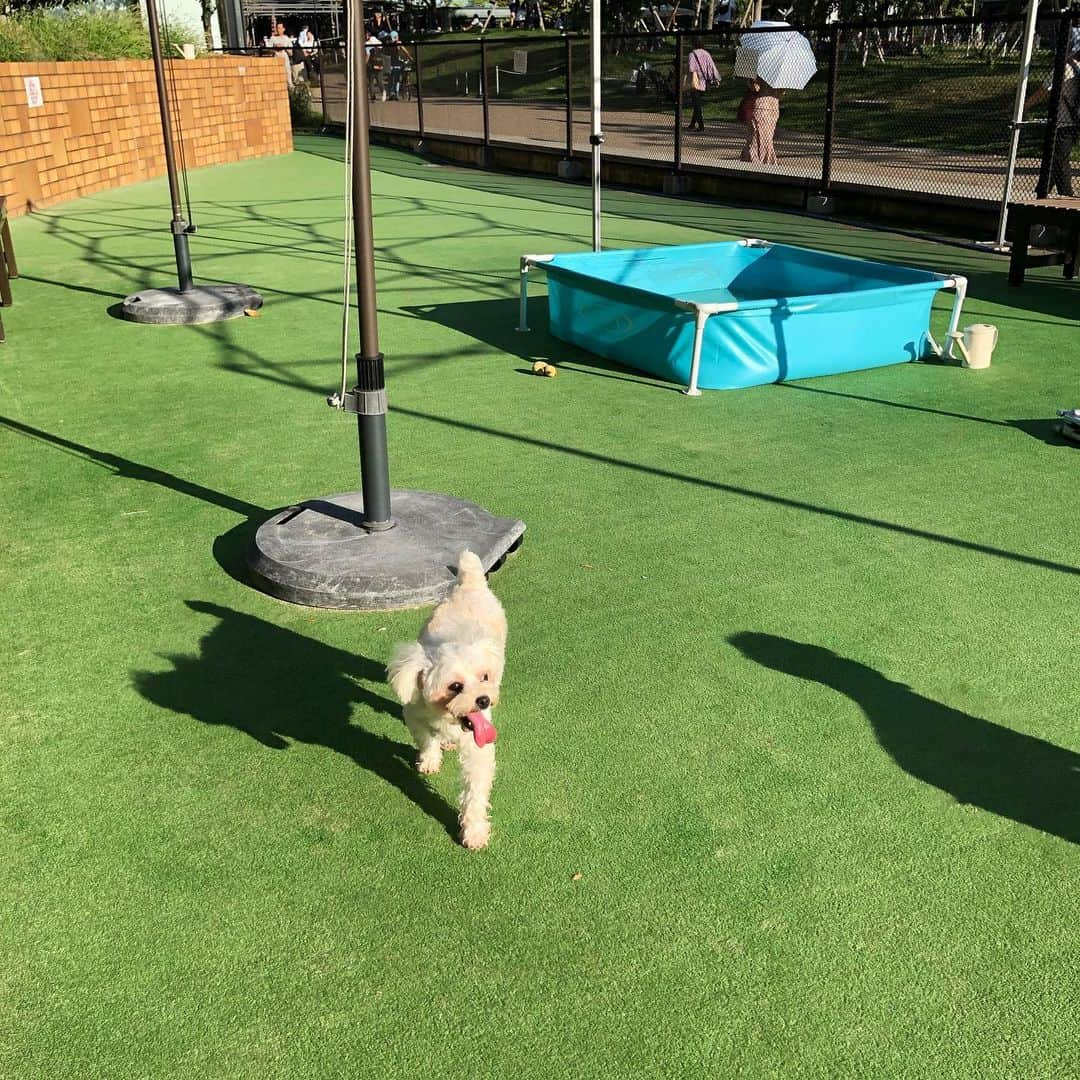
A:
788,776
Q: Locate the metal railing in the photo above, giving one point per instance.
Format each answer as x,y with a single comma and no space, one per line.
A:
920,106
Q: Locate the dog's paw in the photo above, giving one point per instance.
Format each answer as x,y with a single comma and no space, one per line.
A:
448,744
429,764
476,836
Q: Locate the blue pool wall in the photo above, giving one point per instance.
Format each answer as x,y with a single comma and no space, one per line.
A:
801,313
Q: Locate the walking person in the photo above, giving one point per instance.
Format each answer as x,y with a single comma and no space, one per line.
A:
701,73
306,40
397,55
376,67
1068,119
759,110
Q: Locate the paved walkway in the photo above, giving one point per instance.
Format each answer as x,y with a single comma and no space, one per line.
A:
650,136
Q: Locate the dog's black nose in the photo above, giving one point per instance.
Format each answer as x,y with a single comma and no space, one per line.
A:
483,701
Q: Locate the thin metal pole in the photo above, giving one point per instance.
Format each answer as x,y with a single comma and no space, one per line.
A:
679,64
830,109
179,225
371,382
1061,58
596,136
569,100
322,84
484,92
1018,116
419,95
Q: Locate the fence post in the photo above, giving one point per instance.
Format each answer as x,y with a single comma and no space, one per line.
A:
569,101
320,56
679,63
419,95
830,109
1061,56
484,92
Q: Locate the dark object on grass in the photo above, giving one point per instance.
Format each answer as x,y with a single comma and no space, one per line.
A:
975,761
1070,425
8,269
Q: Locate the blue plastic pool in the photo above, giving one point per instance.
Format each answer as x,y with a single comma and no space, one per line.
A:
740,313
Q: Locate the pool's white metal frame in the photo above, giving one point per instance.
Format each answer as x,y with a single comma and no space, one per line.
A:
703,312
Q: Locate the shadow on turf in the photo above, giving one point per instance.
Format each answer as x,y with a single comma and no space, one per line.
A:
271,683
279,687
1045,430
132,470
494,322
230,548
750,493
976,761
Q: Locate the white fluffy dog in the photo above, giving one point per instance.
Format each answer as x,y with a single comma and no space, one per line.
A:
448,682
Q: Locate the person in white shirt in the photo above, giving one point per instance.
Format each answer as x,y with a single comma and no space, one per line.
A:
282,45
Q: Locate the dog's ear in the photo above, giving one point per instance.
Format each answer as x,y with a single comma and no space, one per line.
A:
495,660
405,670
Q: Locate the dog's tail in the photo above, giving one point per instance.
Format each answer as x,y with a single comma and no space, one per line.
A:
470,571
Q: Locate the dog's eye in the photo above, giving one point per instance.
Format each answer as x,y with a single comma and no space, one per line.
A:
456,687
483,678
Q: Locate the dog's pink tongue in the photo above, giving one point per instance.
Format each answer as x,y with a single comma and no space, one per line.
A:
483,729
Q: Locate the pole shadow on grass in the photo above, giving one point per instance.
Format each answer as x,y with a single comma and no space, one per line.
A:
976,761
279,687
1045,429
229,548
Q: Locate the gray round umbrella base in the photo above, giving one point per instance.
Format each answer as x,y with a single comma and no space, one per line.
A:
318,554
201,304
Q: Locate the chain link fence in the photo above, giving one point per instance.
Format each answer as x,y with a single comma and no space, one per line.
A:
924,106
929,108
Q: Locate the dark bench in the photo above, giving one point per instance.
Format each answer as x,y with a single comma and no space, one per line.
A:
1023,216
8,269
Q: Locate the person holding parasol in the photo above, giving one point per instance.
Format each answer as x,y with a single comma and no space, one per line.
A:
773,59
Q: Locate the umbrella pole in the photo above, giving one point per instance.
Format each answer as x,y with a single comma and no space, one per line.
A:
371,417
346,551
596,137
187,304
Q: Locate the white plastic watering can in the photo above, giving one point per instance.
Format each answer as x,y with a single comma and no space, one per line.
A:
977,343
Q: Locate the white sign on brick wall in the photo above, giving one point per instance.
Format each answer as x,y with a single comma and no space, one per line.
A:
33,91
521,61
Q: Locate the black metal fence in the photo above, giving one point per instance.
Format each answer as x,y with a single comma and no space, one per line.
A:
923,106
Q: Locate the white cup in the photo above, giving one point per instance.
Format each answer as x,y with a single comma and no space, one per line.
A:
977,343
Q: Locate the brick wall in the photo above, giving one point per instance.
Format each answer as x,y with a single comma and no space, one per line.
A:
99,127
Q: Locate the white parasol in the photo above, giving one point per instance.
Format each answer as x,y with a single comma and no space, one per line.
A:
782,58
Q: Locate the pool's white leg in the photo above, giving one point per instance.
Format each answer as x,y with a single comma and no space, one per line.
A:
700,318
954,320
523,309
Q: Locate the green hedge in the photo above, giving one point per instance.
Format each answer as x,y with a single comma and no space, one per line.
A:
82,33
